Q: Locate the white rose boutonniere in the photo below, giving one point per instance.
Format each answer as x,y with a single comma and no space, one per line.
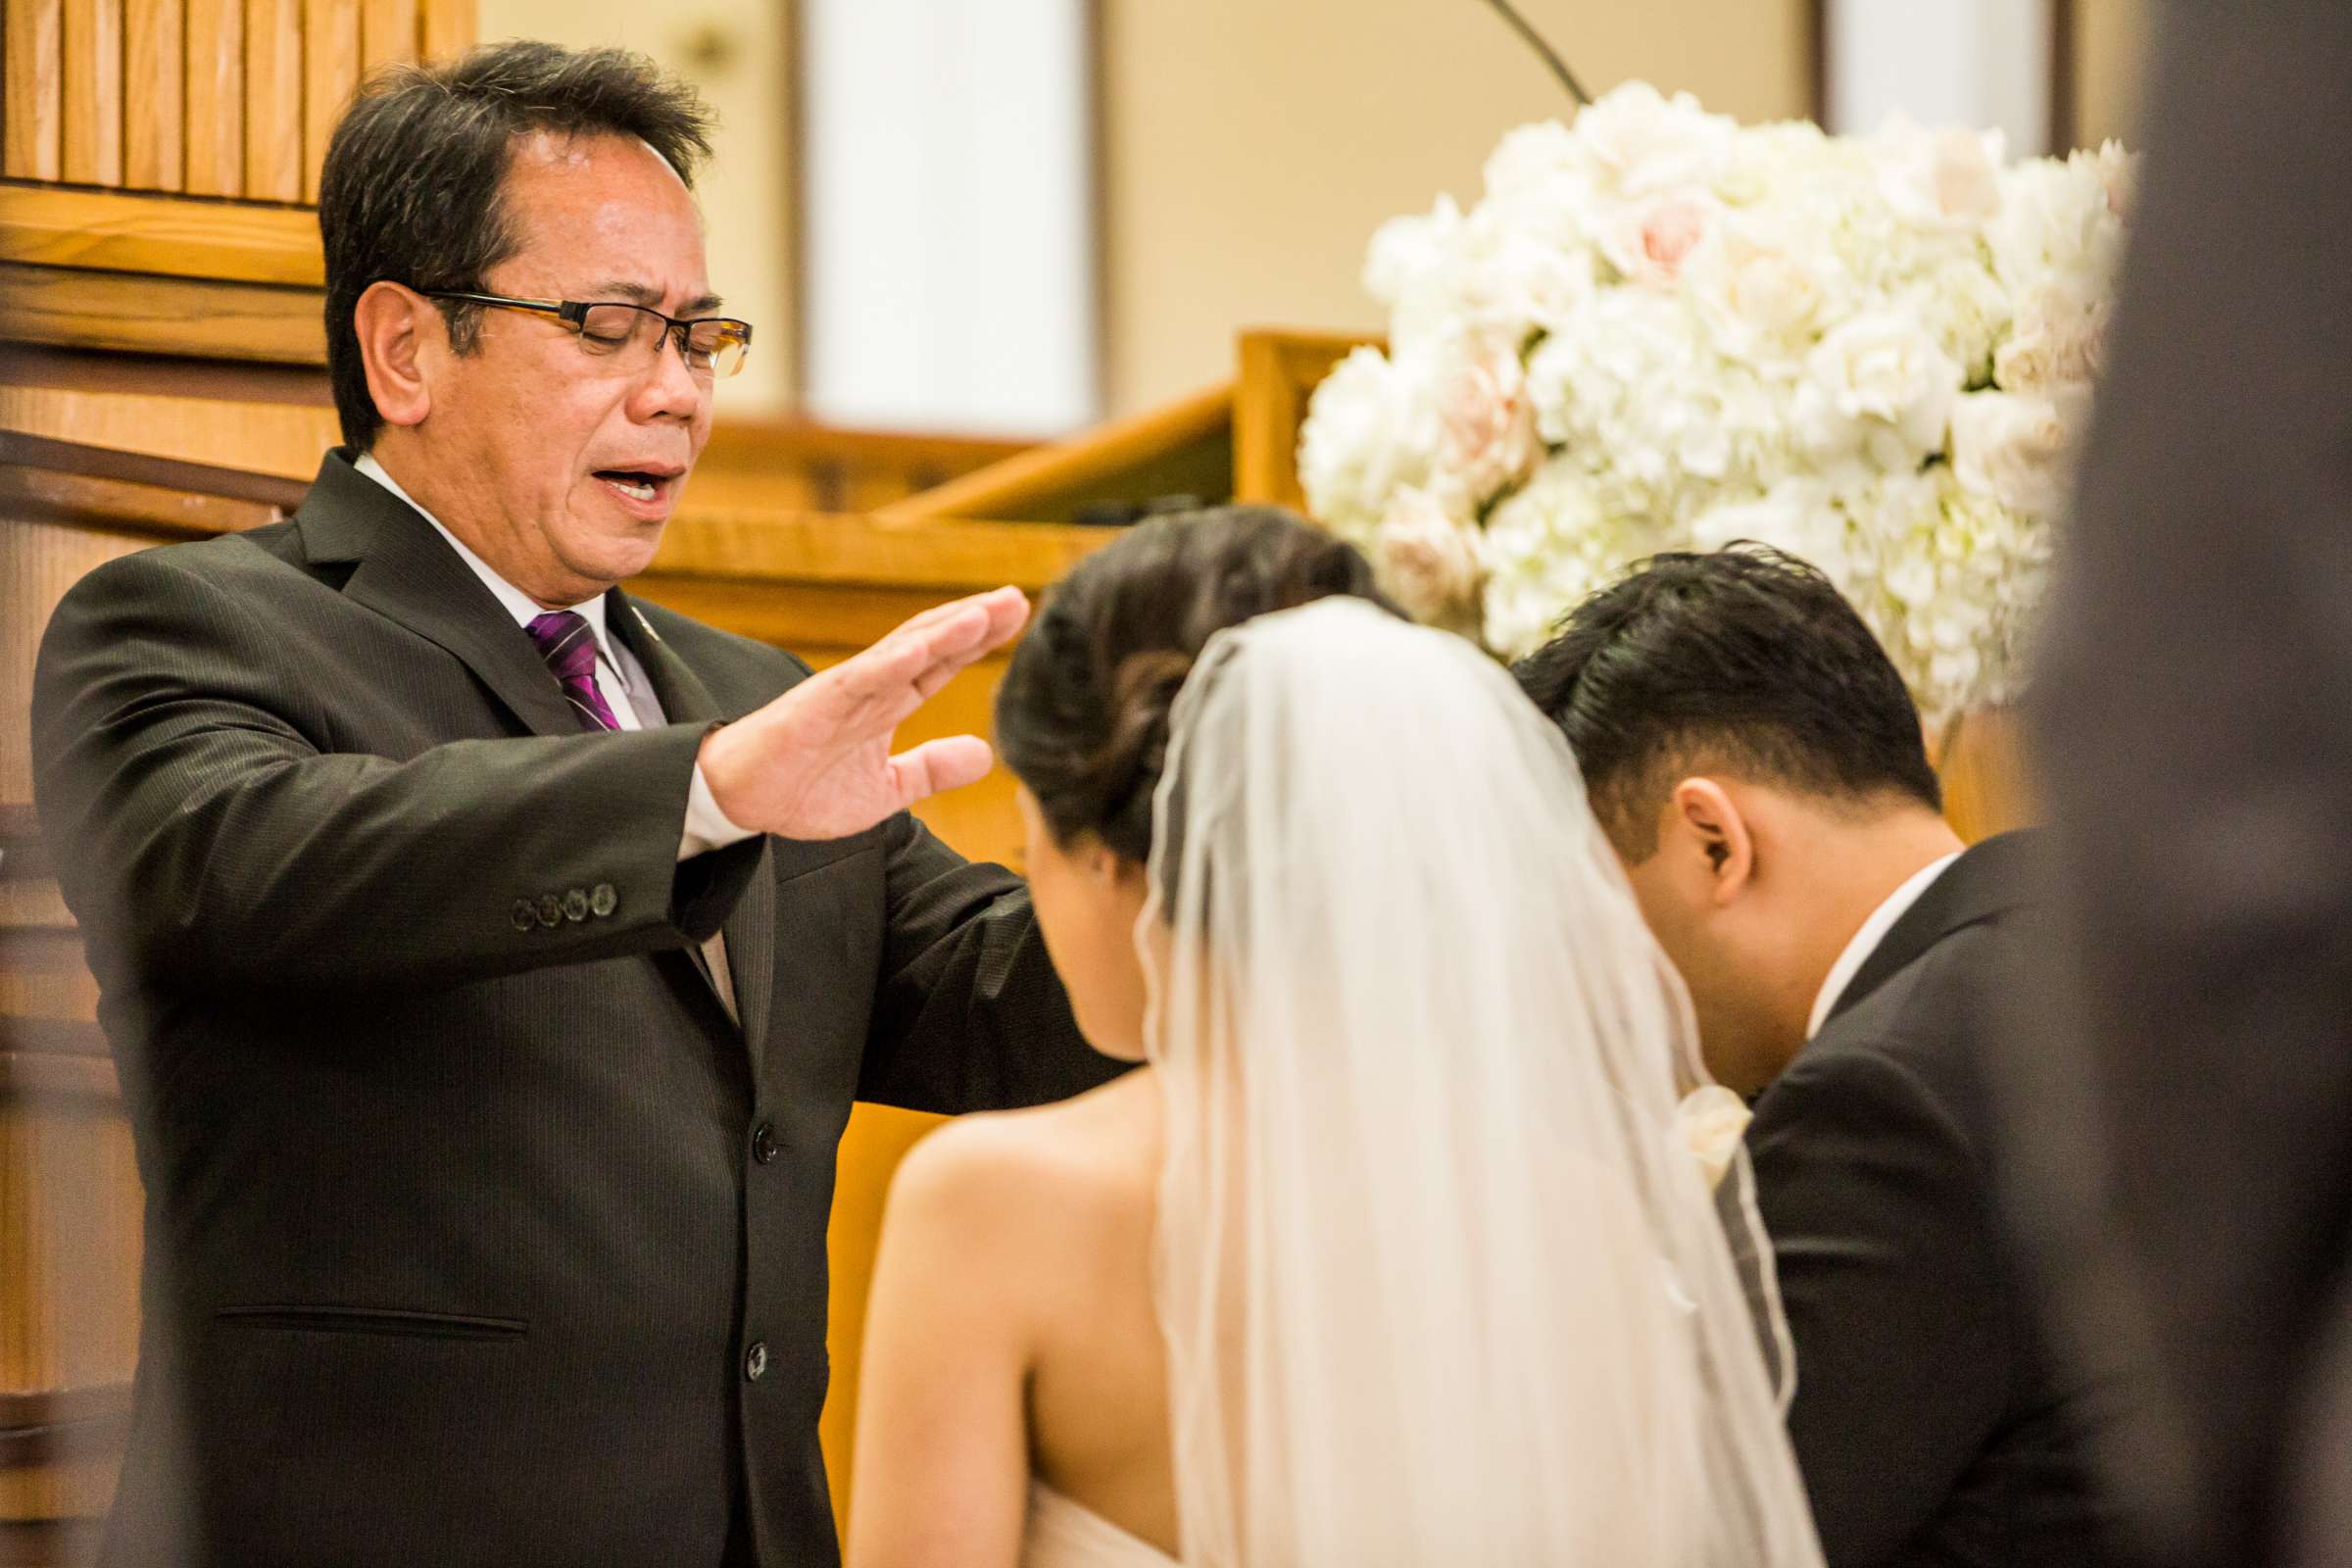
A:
1713,1120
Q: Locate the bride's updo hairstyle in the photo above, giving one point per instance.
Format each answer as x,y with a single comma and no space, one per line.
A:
1082,717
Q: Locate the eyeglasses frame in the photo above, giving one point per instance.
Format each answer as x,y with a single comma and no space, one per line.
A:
574,313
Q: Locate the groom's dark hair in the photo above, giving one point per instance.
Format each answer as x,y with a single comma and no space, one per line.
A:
1746,660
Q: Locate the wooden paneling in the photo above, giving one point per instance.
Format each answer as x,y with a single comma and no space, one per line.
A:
214,34
877,1139
446,28
214,98
330,52
265,435
116,232
1280,371
1185,448
93,92
70,1194
155,107
1987,785
138,313
33,143
69,1238
388,32
273,118
796,465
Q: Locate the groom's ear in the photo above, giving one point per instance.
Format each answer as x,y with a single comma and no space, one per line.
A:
1706,819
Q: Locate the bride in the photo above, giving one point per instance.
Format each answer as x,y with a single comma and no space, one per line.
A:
1391,1252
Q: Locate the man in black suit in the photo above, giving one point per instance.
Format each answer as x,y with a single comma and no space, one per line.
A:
1758,766
2195,721
488,1004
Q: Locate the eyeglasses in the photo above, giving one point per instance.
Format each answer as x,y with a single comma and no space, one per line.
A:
631,335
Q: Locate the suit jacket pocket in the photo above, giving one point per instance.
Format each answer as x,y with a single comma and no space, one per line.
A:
377,1320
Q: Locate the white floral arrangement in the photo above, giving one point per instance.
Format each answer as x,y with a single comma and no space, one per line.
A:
1663,330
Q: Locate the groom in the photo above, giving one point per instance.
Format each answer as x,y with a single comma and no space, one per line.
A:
488,1004
1757,764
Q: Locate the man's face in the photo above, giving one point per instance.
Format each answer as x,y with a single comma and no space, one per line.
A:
559,464
1731,952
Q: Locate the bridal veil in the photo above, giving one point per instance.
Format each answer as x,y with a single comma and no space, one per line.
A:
1440,1281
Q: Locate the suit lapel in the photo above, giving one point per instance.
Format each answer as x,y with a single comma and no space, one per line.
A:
1985,880
751,930
406,573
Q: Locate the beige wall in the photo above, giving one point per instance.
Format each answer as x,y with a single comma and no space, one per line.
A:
1251,146
745,192
2114,49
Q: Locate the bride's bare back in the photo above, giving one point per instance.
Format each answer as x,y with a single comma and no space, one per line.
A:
1012,1336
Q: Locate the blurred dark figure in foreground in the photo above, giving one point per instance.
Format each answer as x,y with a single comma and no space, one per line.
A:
2195,721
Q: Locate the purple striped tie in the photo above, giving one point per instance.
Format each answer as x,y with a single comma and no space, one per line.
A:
570,648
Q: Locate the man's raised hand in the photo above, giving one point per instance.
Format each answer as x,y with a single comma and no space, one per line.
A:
815,762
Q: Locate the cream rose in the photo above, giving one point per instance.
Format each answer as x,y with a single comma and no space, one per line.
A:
1427,562
2058,343
2014,449
1651,242
1488,427
1646,144
1762,300
1878,384
1941,179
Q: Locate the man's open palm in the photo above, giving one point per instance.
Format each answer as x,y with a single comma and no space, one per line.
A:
815,763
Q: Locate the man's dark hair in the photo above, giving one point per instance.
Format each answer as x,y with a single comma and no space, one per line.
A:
1745,659
412,186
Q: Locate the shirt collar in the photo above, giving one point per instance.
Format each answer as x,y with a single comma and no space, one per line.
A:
518,603
1866,941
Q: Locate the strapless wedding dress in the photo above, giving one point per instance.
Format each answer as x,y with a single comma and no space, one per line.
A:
1061,1534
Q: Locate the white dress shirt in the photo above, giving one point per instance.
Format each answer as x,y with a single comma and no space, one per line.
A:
1866,941
628,692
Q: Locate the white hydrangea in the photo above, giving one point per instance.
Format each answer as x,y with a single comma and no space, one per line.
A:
1371,430
1658,329
1549,548
1959,576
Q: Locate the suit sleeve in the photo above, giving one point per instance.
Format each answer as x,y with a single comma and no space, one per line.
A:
207,832
1888,1271
970,1015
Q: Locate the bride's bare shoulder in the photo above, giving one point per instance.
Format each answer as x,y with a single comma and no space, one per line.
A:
1037,1175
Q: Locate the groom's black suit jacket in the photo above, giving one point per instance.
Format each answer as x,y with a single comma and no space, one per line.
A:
476,1232
1931,1422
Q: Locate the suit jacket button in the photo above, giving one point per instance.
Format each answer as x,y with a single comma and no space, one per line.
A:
763,1144
575,905
526,915
604,901
551,909
754,1360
